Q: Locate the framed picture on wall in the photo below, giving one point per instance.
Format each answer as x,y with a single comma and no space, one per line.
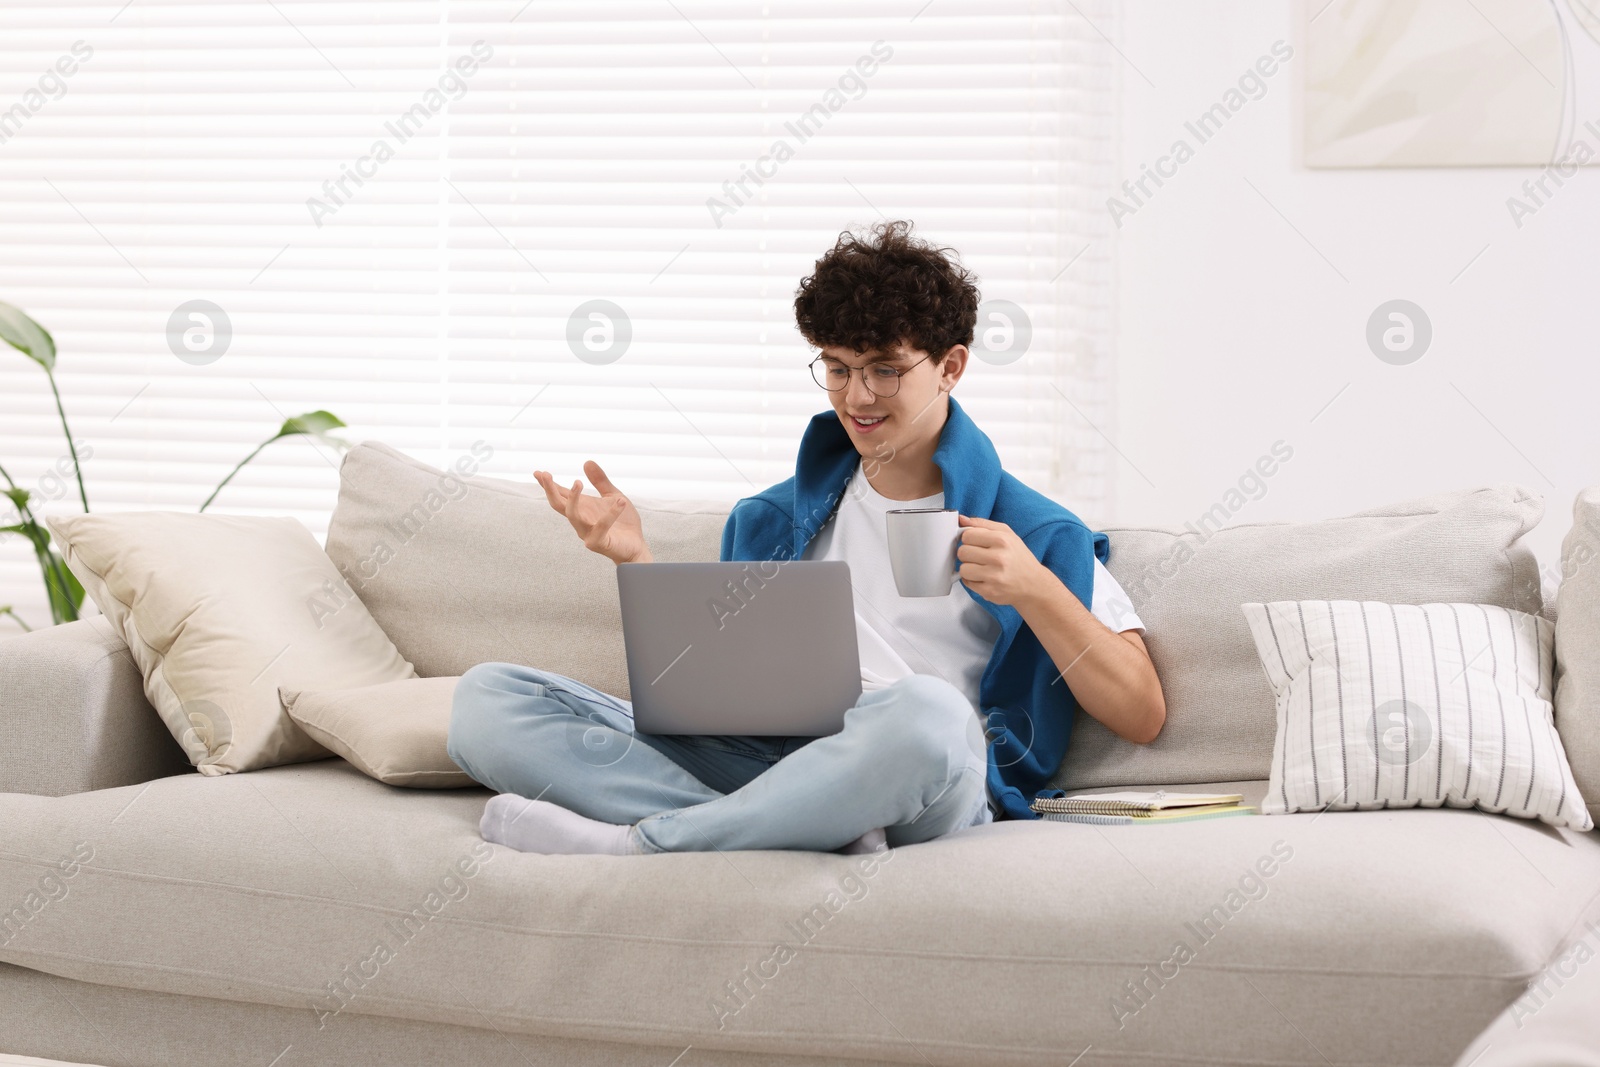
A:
1452,83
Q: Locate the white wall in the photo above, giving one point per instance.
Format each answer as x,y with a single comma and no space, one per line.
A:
1233,332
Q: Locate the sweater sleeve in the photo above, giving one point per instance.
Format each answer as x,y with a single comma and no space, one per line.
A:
756,529
1060,547
1031,735
730,532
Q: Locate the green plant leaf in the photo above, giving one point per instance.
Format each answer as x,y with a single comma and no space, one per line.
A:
65,591
312,424
18,496
64,602
75,593
33,532
27,336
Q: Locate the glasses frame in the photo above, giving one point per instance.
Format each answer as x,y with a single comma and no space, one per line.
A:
849,370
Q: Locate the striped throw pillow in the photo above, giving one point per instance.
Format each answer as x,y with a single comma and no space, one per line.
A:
1401,705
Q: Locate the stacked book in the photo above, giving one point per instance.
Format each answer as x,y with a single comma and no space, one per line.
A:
1135,807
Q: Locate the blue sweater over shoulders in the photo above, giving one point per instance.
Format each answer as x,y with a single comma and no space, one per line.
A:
1028,709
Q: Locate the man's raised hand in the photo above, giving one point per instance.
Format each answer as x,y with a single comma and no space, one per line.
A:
608,523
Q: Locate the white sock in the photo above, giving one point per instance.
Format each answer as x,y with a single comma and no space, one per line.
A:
871,841
540,826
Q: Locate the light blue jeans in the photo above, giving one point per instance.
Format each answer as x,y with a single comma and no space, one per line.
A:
910,759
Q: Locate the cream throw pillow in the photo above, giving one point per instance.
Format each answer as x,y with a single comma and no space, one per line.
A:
395,732
1407,705
219,611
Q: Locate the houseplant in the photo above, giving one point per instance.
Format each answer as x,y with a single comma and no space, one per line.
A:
65,593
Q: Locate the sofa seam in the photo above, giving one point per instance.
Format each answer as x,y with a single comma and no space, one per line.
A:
1566,939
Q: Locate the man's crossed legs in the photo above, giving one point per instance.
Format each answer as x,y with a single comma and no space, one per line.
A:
576,777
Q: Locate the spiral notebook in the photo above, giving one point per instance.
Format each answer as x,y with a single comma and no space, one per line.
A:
1133,806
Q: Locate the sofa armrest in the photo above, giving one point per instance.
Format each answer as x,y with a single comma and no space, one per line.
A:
75,717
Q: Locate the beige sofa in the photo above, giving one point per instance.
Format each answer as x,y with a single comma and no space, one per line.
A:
233,919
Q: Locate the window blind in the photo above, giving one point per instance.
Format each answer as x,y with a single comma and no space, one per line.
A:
568,230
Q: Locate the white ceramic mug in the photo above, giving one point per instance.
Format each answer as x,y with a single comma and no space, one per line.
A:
922,550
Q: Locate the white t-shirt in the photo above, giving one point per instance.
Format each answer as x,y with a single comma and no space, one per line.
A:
950,637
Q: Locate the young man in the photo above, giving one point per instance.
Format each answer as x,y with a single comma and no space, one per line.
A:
967,699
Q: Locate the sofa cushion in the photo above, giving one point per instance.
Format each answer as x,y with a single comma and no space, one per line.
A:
280,886
1578,646
218,611
461,569
1187,585
395,732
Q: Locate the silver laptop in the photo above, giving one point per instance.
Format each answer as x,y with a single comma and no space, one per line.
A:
740,648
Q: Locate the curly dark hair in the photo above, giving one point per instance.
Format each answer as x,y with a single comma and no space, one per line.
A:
874,292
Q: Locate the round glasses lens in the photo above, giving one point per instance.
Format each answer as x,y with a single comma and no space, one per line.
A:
882,380
820,373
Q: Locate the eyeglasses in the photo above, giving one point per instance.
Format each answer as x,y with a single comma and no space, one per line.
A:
879,378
